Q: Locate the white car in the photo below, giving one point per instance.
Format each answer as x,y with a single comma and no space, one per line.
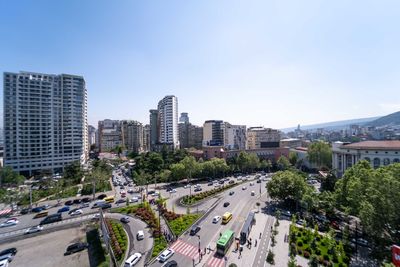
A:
9,223
173,190
166,255
133,259
130,190
134,199
34,229
140,235
155,194
253,193
76,212
244,188
216,219
187,186
251,184
4,263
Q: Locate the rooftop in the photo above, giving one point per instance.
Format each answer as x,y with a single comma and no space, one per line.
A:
388,145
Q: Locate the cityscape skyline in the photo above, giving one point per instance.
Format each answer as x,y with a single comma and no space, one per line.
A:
261,64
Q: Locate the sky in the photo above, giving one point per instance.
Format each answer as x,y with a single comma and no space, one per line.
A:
258,63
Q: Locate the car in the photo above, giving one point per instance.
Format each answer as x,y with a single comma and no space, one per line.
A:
76,247
69,203
286,213
134,199
125,219
140,235
216,219
187,186
63,209
231,193
101,196
217,185
34,229
46,207
166,254
155,194
4,263
231,182
37,209
221,181
6,258
251,183
119,201
171,264
77,201
210,183
226,204
9,223
300,222
171,190
76,212
11,251
335,225
133,259
360,242
86,200
195,229
105,206
24,211
84,205
130,191
244,188
125,183
258,181
95,217
252,193
197,189
122,187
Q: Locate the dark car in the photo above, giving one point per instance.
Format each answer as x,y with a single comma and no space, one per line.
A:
197,189
231,193
125,183
69,203
171,264
24,211
37,209
226,204
195,229
13,251
85,199
210,183
63,209
75,248
258,181
119,201
77,201
125,219
221,181
101,196
231,182
105,206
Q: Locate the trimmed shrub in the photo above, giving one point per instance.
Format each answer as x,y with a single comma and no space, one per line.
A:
306,254
326,257
300,244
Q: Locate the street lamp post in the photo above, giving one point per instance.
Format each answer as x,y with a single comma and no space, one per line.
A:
199,248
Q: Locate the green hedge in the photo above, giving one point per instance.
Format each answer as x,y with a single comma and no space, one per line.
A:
159,245
182,223
190,200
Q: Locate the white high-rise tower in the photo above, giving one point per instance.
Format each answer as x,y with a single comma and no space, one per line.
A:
168,121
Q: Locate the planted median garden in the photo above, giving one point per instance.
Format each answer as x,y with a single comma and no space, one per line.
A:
178,222
194,198
118,239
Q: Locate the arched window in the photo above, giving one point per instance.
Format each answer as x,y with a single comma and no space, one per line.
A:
396,160
386,161
377,162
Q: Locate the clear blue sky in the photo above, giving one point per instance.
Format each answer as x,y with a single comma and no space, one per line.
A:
272,63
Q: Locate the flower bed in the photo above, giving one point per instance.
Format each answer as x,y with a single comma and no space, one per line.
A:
118,238
190,200
182,223
306,243
159,245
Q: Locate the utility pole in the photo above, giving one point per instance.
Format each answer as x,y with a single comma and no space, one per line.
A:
94,187
30,197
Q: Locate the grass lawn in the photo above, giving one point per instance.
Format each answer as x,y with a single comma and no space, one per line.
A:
306,243
159,245
182,223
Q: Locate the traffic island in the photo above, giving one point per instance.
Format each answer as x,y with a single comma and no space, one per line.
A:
195,199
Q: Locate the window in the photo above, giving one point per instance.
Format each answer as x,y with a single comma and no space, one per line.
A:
386,161
396,160
377,162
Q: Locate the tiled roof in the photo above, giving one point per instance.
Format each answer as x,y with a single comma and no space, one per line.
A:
388,145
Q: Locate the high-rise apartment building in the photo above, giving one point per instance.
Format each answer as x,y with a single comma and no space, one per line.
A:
184,118
168,132
213,133
189,135
146,137
45,121
132,136
234,136
154,128
110,135
91,135
260,137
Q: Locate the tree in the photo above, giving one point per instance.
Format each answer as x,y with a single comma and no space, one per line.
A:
178,171
287,186
283,163
73,172
320,153
293,158
328,182
10,177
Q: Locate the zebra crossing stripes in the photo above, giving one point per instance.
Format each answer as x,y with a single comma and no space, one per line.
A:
216,262
185,249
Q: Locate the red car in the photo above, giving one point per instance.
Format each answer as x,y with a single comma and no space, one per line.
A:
335,225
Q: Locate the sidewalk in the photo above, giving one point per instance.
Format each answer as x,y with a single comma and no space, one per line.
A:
281,248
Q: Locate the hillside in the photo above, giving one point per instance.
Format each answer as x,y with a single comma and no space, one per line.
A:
391,119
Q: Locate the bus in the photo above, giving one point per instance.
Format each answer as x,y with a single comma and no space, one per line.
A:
245,232
226,217
41,214
109,199
225,242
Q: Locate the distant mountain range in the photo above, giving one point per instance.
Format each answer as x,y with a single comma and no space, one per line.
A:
391,119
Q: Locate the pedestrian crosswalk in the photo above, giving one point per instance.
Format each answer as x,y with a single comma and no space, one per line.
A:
186,249
215,262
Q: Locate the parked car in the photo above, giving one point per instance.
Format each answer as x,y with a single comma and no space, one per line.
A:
251,183
125,219
76,247
216,219
226,204
360,242
140,235
101,196
24,211
119,201
244,188
63,209
166,255
38,209
34,229
84,205
195,229
76,212
11,251
69,203
46,207
77,201
171,264
197,189
133,259
252,193
231,182
231,193
134,199
85,200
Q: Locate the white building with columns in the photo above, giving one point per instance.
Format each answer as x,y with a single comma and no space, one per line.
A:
377,153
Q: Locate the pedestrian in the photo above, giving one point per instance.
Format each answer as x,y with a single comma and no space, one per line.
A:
260,235
220,234
255,243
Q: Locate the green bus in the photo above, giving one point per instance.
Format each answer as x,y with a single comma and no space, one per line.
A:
225,242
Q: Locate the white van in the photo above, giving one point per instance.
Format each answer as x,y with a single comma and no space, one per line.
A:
133,259
140,235
98,204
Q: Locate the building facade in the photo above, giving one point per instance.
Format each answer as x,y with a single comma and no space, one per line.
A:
234,136
260,137
45,121
377,153
146,138
213,133
154,128
91,135
168,121
132,136
190,135
110,135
